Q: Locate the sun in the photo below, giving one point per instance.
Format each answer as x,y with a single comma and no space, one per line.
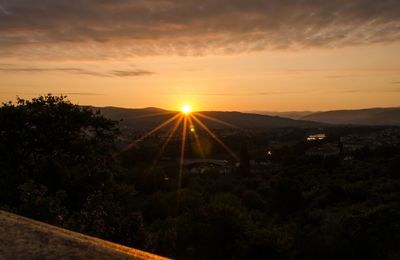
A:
186,109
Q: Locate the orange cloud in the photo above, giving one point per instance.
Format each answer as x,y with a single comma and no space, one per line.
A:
98,29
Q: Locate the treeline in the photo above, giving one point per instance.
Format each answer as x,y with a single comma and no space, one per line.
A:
58,164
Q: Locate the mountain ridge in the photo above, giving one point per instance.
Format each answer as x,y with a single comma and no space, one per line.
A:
148,117
141,118
367,116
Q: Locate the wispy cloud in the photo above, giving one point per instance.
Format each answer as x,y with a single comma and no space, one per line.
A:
4,11
249,93
378,90
395,90
78,94
280,93
103,29
130,73
110,73
54,93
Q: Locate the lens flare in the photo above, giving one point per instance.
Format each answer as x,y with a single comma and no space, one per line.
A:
188,120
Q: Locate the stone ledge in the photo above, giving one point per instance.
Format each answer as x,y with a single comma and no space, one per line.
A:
23,238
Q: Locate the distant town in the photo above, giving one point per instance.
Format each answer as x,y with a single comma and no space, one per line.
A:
265,146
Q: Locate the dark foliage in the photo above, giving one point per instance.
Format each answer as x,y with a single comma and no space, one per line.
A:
58,164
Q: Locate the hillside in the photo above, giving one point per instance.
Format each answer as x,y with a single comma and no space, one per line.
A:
372,116
151,117
248,120
288,114
23,238
142,118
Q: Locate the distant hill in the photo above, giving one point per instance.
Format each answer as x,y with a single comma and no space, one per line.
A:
150,117
139,119
289,114
372,116
250,120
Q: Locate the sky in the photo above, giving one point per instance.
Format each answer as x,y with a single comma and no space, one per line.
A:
286,55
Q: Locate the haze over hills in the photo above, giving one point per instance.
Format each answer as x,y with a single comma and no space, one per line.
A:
144,118
288,114
370,116
151,117
249,120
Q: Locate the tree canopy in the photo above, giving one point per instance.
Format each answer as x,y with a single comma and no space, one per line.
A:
57,161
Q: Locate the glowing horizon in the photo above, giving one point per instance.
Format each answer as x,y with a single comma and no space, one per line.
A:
254,55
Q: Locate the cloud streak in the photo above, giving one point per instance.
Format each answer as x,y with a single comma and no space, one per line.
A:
9,68
250,93
127,28
3,10
58,94
377,90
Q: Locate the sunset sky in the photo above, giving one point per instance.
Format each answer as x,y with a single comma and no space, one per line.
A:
241,55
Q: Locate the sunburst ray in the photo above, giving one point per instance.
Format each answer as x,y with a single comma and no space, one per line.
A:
154,130
155,114
183,143
196,138
166,142
215,137
215,120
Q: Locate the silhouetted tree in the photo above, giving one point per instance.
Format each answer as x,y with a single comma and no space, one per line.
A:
54,156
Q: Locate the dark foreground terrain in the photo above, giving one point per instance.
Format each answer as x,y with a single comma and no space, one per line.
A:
288,193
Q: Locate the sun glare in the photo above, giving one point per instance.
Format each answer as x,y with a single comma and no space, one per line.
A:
186,109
